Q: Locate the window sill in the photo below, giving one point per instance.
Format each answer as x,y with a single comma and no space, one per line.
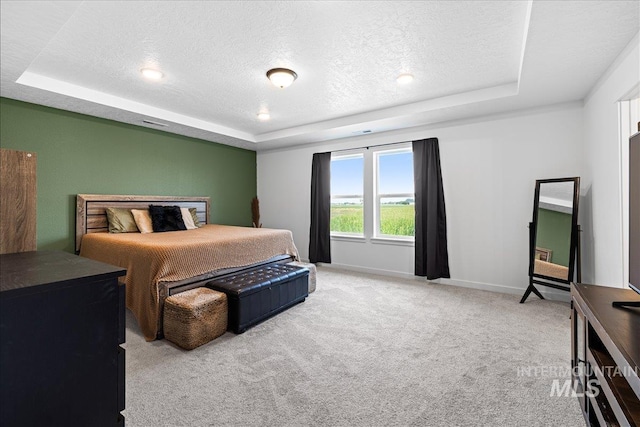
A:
392,241
373,240
348,238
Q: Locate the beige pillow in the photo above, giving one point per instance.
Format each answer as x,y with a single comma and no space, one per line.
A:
143,220
120,220
187,219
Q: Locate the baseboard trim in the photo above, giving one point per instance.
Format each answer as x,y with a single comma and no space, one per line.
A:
491,287
549,294
555,295
368,270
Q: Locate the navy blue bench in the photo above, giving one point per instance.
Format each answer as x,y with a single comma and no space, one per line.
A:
258,294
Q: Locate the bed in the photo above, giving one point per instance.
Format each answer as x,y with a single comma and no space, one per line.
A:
162,264
545,268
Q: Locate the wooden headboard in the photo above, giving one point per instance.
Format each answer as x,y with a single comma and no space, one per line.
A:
91,216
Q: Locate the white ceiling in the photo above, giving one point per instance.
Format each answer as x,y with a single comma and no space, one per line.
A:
557,196
469,58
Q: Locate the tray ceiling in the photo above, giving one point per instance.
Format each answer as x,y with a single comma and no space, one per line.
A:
468,58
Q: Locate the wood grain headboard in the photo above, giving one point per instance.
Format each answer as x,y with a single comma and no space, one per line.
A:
91,216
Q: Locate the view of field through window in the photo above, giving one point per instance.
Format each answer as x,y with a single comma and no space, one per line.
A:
394,196
347,188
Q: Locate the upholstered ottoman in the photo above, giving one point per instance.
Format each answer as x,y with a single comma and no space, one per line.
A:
195,317
257,294
312,273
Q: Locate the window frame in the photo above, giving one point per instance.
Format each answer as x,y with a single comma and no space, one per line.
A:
347,156
377,233
369,200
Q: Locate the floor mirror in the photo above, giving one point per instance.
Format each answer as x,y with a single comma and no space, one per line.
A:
554,235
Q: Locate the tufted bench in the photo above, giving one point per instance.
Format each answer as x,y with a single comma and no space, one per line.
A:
195,317
257,294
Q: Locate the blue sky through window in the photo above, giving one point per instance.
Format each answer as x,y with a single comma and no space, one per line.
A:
347,176
395,173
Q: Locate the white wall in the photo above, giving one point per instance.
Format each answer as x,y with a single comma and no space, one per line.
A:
603,246
489,170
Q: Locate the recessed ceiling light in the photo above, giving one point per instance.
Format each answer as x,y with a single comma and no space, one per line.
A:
281,77
403,79
263,116
152,74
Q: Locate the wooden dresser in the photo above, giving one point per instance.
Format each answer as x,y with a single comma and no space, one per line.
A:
605,353
61,323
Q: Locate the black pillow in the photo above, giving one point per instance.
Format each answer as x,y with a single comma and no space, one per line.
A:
166,218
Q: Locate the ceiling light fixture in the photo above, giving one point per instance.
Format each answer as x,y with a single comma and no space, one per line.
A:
263,116
281,77
152,74
403,79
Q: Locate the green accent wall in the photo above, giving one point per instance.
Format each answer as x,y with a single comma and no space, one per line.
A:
84,154
554,232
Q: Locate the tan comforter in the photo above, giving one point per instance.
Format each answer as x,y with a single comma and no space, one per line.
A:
156,258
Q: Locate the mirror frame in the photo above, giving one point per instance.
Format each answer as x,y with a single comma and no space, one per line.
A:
574,229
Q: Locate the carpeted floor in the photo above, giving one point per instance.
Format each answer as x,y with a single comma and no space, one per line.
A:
366,350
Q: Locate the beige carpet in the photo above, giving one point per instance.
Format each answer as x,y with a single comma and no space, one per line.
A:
365,350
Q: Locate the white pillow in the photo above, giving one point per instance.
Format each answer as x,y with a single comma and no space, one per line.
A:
187,218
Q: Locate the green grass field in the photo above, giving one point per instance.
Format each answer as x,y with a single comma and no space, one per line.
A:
395,220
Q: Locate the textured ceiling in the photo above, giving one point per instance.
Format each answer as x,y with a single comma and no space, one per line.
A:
468,58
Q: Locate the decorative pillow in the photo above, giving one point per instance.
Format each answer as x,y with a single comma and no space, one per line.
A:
166,218
143,220
121,221
187,218
194,215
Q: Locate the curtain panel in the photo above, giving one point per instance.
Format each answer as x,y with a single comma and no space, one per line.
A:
431,255
320,233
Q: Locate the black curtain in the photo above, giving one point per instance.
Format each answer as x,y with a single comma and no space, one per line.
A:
319,234
432,258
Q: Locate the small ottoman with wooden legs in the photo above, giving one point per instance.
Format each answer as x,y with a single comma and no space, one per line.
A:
195,317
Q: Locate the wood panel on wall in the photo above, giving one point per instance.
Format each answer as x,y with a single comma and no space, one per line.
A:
17,201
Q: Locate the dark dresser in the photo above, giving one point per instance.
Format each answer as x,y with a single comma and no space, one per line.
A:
61,323
605,355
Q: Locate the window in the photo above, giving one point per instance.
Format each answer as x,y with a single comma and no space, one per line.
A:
395,203
372,194
347,184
